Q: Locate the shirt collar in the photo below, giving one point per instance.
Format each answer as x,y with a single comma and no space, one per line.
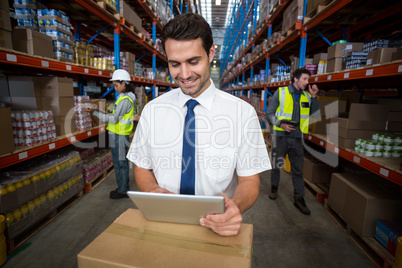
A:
205,99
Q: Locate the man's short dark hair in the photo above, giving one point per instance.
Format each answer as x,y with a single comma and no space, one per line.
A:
298,73
188,26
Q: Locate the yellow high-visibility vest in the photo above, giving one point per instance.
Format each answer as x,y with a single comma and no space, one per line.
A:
285,108
125,125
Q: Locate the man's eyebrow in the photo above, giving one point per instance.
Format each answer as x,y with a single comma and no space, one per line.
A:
190,59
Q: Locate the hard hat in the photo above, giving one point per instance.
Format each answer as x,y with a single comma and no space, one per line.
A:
120,75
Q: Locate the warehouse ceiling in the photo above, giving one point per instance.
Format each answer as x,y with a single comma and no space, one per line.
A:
216,12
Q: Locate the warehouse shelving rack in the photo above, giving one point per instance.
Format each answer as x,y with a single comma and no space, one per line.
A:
12,60
382,73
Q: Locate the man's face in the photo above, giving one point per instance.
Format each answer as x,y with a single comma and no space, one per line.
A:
301,83
189,65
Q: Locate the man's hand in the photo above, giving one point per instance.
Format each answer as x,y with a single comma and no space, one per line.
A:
225,224
287,127
313,90
161,191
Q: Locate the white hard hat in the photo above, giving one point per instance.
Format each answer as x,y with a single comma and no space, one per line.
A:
120,75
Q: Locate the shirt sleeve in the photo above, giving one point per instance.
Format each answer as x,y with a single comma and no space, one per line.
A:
271,110
122,108
252,156
139,152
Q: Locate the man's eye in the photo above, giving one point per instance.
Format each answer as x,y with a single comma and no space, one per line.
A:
194,62
174,65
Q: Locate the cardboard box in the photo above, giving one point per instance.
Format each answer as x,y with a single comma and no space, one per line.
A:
64,125
319,57
393,126
394,116
316,172
346,123
6,132
367,201
132,241
4,6
362,201
22,103
4,86
129,14
5,39
335,130
21,86
337,193
331,106
334,65
342,50
59,105
368,112
5,22
395,105
32,42
57,87
351,97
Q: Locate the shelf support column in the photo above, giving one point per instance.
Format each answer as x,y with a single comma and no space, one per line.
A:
303,47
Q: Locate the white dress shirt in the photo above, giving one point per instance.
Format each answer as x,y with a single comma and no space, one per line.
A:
229,141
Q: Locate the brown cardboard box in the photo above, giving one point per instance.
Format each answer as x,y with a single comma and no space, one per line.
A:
6,132
334,65
60,106
368,112
397,55
385,55
132,241
342,142
315,171
129,14
5,39
342,50
351,97
22,86
395,105
64,125
337,193
394,116
22,103
346,123
368,201
394,126
319,57
5,22
32,42
320,126
335,130
331,106
4,6
57,87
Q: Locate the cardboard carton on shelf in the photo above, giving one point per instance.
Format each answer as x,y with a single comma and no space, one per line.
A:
56,87
341,50
60,106
6,132
132,241
315,171
335,64
362,201
6,39
32,42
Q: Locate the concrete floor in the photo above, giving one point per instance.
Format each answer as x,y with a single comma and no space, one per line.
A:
283,237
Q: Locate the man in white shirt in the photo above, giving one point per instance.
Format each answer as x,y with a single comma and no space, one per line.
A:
229,148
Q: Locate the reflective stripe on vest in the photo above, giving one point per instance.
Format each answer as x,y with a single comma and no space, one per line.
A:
125,125
285,108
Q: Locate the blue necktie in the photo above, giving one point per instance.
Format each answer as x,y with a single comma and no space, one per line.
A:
187,183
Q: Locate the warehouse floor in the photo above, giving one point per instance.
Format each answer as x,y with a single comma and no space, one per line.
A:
283,237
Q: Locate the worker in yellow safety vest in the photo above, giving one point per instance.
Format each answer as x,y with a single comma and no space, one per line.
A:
120,125
289,112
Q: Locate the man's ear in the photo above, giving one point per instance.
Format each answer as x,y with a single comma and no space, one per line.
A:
211,53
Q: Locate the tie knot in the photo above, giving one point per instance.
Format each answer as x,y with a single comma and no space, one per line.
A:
191,104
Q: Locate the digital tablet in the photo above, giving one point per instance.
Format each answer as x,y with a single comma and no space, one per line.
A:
176,208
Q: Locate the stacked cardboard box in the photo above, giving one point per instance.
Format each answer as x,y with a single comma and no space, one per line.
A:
384,55
21,92
32,42
394,118
127,12
98,104
329,107
130,57
316,171
264,11
155,244
6,132
5,26
292,13
337,54
363,201
362,122
141,98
